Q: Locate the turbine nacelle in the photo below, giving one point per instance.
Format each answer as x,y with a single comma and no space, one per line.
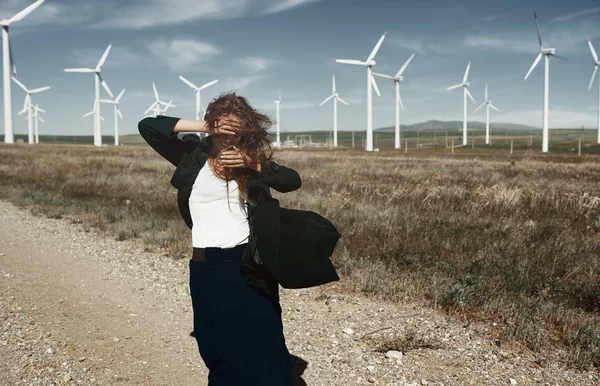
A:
548,51
371,63
5,23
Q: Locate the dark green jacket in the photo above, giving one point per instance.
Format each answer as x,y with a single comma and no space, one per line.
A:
287,247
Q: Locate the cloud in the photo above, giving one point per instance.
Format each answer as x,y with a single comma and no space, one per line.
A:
238,83
571,16
501,43
284,5
152,13
182,53
254,63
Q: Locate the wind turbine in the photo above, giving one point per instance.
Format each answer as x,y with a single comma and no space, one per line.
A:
155,106
98,79
92,112
27,106
370,62
596,66
336,97
487,103
397,79
198,98
465,85
36,118
546,52
7,62
117,112
277,103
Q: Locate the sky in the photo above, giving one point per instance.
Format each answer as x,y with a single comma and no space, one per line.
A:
256,47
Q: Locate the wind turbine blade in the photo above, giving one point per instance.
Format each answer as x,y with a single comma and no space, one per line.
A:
22,111
119,96
20,84
36,90
480,106
207,85
155,91
374,52
40,109
107,101
537,26
494,107
119,113
558,56
350,61
383,75
401,71
79,70
188,82
486,93
535,62
41,119
101,118
325,101
593,77
88,114
103,58
374,83
453,87
105,85
341,100
467,72
26,11
594,54
469,94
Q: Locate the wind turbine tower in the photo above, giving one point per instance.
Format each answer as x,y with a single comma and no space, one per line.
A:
117,113
546,53
397,79
487,103
596,66
7,62
336,97
465,85
369,63
277,103
97,79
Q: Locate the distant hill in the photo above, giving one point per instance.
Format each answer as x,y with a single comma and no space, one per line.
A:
448,125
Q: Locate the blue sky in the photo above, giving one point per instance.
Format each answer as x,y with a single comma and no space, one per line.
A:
259,46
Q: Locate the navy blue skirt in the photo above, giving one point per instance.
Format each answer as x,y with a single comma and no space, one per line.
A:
238,330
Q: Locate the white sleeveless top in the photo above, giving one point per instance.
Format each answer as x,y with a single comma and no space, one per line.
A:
215,221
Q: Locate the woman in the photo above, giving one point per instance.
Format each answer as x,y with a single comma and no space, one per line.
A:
237,315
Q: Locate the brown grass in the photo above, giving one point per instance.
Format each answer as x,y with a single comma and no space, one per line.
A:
513,240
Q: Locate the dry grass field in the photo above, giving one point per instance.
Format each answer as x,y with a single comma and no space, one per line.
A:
513,241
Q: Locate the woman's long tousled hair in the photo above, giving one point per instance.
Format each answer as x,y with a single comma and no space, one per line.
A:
252,138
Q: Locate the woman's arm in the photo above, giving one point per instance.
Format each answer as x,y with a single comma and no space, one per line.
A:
161,134
278,177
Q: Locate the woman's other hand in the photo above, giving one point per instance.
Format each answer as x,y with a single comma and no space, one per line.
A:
226,126
233,158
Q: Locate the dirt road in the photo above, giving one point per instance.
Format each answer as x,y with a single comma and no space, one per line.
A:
77,308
